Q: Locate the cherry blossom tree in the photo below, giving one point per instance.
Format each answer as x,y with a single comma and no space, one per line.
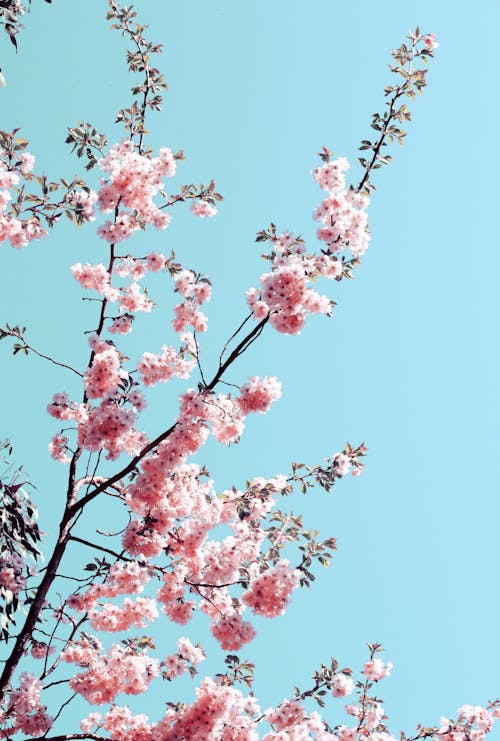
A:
187,547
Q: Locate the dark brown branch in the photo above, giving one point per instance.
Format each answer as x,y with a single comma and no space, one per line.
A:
101,548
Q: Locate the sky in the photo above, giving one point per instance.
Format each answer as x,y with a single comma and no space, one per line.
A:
410,362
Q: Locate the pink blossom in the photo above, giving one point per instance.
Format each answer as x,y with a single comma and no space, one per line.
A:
155,261
430,42
202,208
58,447
25,162
122,324
342,684
257,395
232,632
161,368
193,654
269,591
377,670
95,277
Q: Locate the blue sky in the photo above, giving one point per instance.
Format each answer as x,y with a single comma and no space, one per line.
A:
409,364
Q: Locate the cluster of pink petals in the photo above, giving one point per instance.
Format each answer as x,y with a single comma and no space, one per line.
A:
194,654
269,591
104,376
109,427
24,712
122,578
430,42
187,314
18,232
219,713
11,573
131,297
342,685
285,295
258,395
186,658
82,202
226,418
113,617
26,162
473,723
342,464
58,447
120,669
40,650
62,408
196,291
330,176
92,277
122,324
202,208
133,182
287,715
161,368
377,670
232,632
343,212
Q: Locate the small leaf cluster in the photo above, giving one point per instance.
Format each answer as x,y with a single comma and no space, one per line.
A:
17,332
237,672
41,206
10,10
138,61
194,192
323,683
389,124
326,475
86,140
19,531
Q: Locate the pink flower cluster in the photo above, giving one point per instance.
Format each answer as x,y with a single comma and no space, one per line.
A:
232,632
343,212
92,277
473,723
110,427
377,670
285,296
11,574
342,685
24,712
130,297
430,42
270,590
118,670
133,182
58,447
40,650
113,617
62,408
196,291
161,368
287,715
257,395
186,658
202,208
82,202
18,232
104,376
122,578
